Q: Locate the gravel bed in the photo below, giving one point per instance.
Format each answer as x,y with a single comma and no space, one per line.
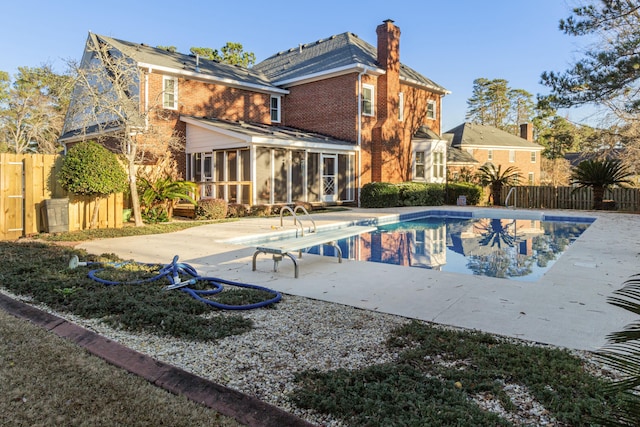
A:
300,334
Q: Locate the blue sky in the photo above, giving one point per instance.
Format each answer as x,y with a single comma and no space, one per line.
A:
452,42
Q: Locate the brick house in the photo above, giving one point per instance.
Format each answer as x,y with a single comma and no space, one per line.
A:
487,144
312,123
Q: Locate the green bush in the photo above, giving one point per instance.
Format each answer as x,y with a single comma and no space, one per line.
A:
473,193
237,210
211,209
89,169
379,195
421,194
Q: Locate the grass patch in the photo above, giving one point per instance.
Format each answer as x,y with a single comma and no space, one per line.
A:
40,271
128,230
47,380
439,370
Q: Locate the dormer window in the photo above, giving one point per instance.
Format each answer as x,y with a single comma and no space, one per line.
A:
367,100
275,109
169,93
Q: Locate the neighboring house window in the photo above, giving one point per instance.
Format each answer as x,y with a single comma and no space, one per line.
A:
533,157
275,109
512,156
401,107
531,178
170,92
367,100
431,109
419,165
489,155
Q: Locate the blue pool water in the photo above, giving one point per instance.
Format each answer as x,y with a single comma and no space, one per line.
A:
517,249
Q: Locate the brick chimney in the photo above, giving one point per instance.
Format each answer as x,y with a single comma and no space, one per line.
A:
385,136
389,60
526,131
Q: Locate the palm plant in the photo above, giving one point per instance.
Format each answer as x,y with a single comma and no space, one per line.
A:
164,193
600,175
623,354
490,175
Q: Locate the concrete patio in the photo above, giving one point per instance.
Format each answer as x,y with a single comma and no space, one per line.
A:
567,307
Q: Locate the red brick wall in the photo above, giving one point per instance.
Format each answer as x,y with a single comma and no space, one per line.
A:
522,162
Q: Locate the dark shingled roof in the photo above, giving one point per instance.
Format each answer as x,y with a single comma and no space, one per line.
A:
206,68
474,135
325,55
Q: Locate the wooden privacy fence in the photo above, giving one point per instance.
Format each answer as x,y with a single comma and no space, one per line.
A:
626,199
27,181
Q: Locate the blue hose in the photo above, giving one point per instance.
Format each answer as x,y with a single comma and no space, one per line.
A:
175,269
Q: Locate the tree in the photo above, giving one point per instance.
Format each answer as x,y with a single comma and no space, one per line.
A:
89,169
106,102
494,103
494,177
232,53
32,109
600,175
610,70
622,352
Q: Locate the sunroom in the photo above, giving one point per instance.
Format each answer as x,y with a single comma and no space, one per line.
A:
253,163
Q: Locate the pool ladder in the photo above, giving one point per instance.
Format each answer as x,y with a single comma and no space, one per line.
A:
506,201
296,219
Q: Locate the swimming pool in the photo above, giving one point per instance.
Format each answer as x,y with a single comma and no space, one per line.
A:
511,245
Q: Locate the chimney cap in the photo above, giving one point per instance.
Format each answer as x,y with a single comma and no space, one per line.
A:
388,21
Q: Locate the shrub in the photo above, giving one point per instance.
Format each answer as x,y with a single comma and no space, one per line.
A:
421,194
237,210
163,193
211,209
472,192
379,195
260,210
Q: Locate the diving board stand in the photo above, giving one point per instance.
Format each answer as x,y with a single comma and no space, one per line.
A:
281,248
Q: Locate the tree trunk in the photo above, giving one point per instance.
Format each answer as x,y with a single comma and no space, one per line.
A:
598,196
496,190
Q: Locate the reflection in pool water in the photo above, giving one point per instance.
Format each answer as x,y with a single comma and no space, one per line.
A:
517,249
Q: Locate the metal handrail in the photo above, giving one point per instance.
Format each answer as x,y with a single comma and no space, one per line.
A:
306,213
295,219
506,201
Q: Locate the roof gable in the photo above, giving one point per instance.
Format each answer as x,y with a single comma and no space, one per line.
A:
189,65
470,135
344,51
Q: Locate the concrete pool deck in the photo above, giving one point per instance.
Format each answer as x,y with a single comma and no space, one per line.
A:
567,307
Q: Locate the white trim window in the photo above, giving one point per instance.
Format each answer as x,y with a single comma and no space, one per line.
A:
419,165
533,157
401,107
512,156
431,109
532,179
489,155
367,100
170,92
438,164
275,109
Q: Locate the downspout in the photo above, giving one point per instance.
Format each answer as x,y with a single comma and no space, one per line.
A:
359,138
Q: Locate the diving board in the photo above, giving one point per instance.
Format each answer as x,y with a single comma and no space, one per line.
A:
284,247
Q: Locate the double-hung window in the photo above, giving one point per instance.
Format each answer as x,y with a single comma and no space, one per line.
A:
367,100
431,109
512,156
533,157
170,92
419,174
275,109
401,107
438,164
